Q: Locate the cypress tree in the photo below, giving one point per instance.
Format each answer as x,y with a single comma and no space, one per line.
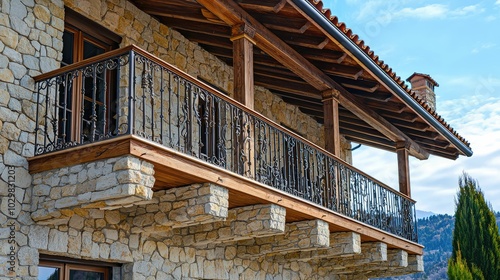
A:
458,270
476,242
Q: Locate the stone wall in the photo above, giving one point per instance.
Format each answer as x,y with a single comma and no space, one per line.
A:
43,214
30,43
179,233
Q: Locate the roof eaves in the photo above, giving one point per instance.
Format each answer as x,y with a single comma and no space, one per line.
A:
331,24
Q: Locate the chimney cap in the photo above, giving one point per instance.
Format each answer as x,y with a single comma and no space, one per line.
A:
426,76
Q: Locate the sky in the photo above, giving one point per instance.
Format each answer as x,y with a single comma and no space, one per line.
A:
457,42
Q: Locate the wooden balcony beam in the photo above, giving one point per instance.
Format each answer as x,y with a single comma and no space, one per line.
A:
232,14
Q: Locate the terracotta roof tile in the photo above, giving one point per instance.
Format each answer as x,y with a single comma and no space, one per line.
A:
423,75
360,43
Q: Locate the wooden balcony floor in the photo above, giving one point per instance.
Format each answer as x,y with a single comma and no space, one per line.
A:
174,169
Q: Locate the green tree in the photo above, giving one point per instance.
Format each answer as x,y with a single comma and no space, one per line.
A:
458,269
476,241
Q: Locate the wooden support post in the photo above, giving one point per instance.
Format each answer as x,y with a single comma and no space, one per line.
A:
243,64
244,93
332,143
403,168
331,121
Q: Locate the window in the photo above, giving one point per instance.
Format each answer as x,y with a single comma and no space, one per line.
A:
60,270
87,104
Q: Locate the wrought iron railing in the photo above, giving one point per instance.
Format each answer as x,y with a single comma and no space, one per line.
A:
129,91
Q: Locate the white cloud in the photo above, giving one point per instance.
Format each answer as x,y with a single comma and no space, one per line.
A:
468,10
497,2
369,9
378,10
425,12
490,18
483,47
433,11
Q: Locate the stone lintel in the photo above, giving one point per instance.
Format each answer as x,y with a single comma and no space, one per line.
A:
298,236
184,206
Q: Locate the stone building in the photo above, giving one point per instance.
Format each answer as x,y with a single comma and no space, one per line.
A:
204,139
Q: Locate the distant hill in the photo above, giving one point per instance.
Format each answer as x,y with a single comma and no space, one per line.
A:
435,233
424,214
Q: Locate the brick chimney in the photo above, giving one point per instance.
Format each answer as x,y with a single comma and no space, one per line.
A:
423,86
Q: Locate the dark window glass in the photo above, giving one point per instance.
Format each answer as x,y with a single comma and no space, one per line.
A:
85,275
90,50
68,39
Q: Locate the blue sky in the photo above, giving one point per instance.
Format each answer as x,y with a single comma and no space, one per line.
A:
458,44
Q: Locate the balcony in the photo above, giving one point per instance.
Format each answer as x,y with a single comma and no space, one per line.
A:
128,102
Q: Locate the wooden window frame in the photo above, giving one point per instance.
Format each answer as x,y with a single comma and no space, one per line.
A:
86,30
66,265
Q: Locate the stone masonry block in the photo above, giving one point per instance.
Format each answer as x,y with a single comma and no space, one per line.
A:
397,258
342,244
371,253
104,184
242,223
298,236
397,264
416,263
186,206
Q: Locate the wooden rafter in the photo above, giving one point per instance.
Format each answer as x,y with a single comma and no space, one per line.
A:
379,96
267,6
330,56
286,86
408,124
189,25
277,22
370,89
